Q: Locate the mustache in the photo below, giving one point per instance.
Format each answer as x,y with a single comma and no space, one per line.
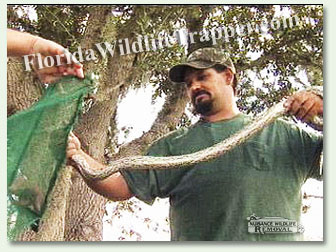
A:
200,92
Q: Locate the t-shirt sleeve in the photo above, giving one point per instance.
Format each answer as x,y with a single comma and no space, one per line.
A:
307,146
313,154
144,184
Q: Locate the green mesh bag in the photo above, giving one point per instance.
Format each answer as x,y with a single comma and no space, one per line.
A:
36,145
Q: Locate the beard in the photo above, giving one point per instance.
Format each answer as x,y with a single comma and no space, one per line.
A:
203,107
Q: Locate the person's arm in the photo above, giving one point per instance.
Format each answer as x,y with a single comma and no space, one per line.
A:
25,44
114,187
19,43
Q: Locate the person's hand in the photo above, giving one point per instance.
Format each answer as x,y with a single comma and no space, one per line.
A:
304,105
35,49
74,153
73,147
51,74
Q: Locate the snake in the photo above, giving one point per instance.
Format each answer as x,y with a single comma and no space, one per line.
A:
205,155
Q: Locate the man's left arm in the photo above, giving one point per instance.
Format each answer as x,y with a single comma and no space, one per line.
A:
306,105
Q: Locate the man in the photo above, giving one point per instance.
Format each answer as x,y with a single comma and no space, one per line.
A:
21,44
212,200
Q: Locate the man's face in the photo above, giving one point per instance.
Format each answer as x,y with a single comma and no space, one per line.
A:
207,89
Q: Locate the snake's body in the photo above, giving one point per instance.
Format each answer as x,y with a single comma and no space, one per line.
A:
147,162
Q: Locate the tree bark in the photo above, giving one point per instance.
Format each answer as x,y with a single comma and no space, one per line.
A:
165,122
85,208
74,212
92,131
52,224
23,88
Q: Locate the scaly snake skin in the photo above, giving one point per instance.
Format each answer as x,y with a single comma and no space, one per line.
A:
210,153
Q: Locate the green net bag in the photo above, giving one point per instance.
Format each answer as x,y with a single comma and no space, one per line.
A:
36,145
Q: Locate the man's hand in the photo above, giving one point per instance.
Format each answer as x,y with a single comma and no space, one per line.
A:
23,44
51,74
304,105
73,147
114,187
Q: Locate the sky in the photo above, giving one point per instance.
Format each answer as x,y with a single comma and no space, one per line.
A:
137,113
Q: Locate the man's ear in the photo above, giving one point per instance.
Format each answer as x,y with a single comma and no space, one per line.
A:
229,76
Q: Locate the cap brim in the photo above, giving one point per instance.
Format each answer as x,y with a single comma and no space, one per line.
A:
176,74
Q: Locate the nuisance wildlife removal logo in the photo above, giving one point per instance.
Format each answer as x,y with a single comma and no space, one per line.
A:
273,225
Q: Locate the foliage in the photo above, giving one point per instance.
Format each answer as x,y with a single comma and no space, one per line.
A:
271,64
60,23
282,54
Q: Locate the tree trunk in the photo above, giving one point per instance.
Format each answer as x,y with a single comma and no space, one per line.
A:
23,88
74,212
165,122
51,226
85,208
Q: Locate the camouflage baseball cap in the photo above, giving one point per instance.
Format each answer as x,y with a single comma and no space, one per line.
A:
202,58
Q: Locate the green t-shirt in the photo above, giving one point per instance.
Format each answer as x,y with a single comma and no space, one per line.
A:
212,200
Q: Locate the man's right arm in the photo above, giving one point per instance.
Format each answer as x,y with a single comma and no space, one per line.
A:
114,187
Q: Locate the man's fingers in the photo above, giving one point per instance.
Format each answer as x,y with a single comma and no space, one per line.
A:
304,111
64,62
288,103
47,47
295,102
72,139
70,71
70,153
78,65
295,107
50,78
71,145
52,74
47,70
80,73
304,105
74,62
